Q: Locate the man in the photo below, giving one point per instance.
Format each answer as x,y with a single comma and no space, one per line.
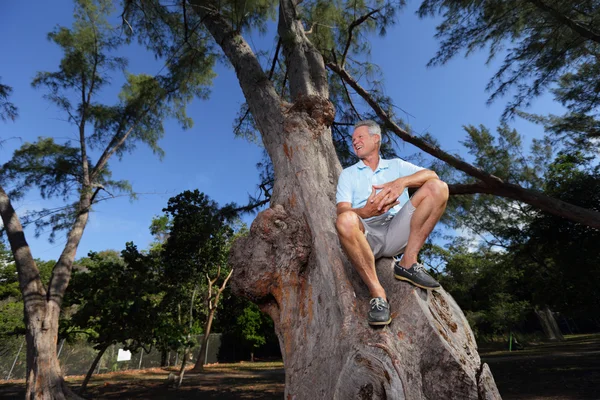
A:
377,219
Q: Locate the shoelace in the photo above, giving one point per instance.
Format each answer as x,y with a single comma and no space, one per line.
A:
378,303
419,268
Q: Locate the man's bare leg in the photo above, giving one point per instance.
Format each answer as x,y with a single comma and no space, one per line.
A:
429,202
353,240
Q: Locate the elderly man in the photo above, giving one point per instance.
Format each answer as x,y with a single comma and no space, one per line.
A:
376,218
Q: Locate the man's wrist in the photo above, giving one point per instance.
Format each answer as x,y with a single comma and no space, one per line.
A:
361,212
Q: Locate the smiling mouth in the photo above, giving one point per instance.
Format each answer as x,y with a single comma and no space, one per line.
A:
358,147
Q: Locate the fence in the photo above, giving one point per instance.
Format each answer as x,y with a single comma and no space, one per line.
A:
76,358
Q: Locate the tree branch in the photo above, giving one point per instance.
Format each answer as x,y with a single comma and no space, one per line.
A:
257,88
404,135
109,151
353,25
28,272
307,74
574,25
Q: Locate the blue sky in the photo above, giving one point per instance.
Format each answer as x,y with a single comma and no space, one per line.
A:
208,157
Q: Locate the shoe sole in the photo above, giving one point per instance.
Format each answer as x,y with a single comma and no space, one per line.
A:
402,278
381,323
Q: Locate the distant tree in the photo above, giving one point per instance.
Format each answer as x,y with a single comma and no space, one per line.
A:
531,246
244,329
486,283
249,324
195,257
566,256
116,301
68,170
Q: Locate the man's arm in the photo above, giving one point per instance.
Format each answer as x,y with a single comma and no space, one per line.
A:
392,190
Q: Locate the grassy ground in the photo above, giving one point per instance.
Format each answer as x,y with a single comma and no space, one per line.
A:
547,371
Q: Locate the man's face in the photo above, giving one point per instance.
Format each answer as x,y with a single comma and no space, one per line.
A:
363,143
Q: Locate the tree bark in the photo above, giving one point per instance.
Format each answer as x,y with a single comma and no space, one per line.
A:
549,325
90,372
292,265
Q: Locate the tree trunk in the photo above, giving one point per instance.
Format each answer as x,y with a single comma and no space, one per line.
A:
549,325
164,358
91,370
44,376
292,265
212,302
199,367
186,354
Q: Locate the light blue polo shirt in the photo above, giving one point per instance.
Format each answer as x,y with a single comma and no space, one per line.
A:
356,182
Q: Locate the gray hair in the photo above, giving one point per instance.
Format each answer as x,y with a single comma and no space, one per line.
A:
373,126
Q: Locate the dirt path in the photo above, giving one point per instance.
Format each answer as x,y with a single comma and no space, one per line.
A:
555,371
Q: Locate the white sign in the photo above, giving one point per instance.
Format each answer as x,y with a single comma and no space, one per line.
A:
124,355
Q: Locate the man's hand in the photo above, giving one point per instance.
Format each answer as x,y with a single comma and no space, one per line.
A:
372,208
388,196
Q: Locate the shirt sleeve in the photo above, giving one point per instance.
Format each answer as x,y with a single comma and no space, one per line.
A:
407,168
344,188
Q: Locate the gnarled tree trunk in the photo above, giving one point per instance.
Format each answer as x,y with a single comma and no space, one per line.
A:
292,264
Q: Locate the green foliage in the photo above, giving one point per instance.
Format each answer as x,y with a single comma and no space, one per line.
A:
486,284
199,237
496,219
566,253
115,299
194,244
8,111
249,325
245,329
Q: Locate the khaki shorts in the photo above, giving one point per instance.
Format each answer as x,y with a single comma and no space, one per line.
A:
388,234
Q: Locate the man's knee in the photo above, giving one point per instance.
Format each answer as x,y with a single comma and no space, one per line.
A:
438,189
347,222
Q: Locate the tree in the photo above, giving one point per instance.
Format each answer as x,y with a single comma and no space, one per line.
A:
116,301
195,257
291,263
244,330
532,246
67,171
551,44
249,324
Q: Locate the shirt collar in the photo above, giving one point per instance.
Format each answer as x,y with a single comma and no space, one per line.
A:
383,164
